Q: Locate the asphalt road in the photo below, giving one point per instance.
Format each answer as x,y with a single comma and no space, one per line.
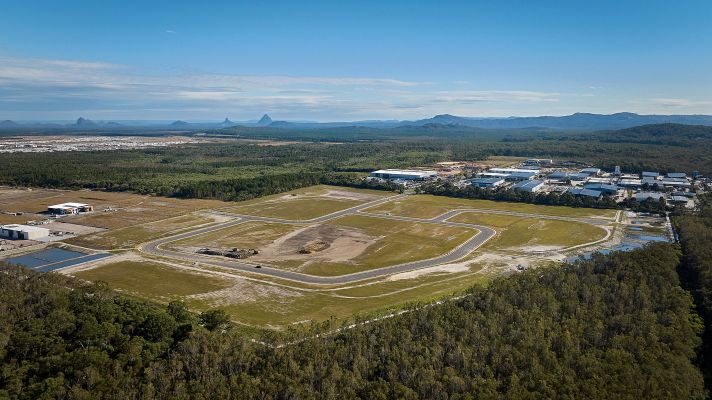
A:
459,252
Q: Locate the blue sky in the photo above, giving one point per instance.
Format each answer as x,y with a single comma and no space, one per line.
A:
342,60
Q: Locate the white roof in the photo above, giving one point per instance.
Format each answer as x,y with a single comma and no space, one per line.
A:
69,205
413,172
513,170
23,228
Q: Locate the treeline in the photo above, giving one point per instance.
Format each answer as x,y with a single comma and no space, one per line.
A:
695,233
615,326
550,199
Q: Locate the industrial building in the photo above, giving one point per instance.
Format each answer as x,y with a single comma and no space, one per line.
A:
486,183
513,170
529,186
404,174
22,232
606,189
585,192
677,175
580,177
643,196
69,208
649,174
538,161
520,176
591,171
558,176
630,183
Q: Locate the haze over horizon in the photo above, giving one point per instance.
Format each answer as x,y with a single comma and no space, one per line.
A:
349,61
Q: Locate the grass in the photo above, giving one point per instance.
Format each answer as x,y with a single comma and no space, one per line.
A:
297,208
248,235
428,206
514,232
307,203
153,280
278,310
132,236
398,242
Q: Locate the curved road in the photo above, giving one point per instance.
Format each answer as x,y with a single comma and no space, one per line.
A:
459,252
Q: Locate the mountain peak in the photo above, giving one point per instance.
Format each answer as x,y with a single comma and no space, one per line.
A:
227,122
81,121
265,120
8,123
179,123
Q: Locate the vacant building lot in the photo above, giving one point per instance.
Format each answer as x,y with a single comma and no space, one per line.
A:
427,206
308,203
527,234
299,232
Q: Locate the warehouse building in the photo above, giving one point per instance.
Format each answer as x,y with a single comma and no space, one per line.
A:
677,175
680,199
630,183
521,176
649,174
22,232
486,183
513,170
643,196
529,186
538,161
580,177
585,192
558,176
404,174
69,208
605,189
591,171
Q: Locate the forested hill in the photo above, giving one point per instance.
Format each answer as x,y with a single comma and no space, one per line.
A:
665,134
616,326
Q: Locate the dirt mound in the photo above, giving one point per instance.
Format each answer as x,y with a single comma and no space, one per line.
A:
326,242
314,247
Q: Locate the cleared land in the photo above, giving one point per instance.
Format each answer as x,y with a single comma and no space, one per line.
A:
336,245
427,206
134,235
341,246
307,203
248,235
533,234
153,280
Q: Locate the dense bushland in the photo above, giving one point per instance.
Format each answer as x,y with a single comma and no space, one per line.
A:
617,326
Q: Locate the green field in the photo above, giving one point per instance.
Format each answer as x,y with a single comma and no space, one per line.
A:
517,232
153,280
349,244
278,309
132,236
427,206
307,203
397,242
248,235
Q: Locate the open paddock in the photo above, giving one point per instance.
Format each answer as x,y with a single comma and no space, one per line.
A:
428,206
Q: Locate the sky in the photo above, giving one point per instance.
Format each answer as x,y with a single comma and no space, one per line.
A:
352,60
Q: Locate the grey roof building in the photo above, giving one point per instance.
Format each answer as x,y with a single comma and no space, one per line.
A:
585,192
529,186
602,187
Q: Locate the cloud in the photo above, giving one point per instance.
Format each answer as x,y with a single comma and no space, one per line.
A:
169,31
51,89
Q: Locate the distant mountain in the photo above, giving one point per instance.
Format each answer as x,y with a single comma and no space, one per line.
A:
8,124
85,123
227,123
265,120
577,121
179,123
